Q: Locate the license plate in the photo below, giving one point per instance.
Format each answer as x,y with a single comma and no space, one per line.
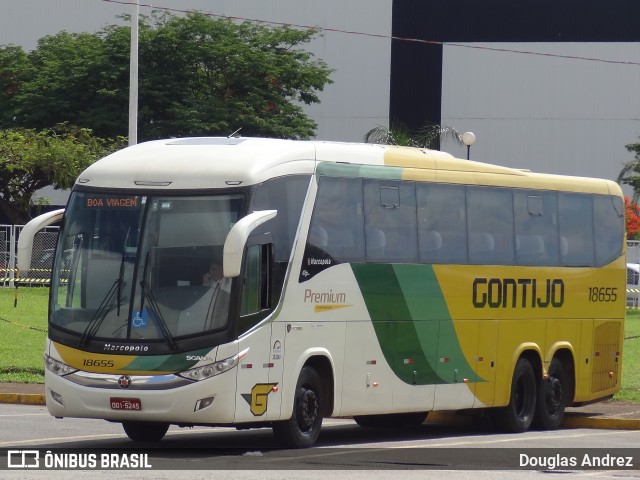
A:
118,403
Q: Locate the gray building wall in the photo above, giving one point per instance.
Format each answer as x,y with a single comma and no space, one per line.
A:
556,114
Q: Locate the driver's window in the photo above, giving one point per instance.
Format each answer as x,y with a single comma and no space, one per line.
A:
254,302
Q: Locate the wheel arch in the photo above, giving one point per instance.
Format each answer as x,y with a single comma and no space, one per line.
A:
530,351
323,365
564,353
534,355
322,361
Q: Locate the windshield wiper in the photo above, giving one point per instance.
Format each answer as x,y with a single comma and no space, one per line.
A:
101,312
105,306
146,292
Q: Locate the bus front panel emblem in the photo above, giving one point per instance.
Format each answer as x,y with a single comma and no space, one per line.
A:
124,381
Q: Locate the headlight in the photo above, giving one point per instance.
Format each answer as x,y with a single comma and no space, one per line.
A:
57,367
213,369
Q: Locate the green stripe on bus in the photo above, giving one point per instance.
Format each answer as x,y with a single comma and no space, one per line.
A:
359,171
412,323
166,363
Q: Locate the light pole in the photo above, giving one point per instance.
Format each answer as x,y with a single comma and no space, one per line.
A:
133,76
468,138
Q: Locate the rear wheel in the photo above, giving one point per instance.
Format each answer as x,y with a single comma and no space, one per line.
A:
552,398
518,415
145,431
303,428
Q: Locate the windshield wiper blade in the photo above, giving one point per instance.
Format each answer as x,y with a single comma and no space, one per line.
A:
157,315
101,313
120,282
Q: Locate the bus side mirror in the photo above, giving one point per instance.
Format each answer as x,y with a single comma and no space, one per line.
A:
28,232
237,239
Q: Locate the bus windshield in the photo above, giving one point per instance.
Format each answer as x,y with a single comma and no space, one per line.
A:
134,268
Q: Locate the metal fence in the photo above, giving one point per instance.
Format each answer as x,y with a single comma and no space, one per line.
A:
39,272
633,273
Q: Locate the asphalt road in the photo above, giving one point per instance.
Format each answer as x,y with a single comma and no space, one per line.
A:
343,450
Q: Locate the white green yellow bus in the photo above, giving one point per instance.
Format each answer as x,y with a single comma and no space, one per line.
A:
365,281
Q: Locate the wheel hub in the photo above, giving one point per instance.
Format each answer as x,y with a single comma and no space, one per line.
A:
553,395
307,409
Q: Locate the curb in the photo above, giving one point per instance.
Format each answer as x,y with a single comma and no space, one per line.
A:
578,421
23,398
571,420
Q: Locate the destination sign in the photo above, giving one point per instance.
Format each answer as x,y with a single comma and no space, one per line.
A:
112,202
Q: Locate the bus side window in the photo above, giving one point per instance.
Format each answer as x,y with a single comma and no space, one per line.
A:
609,228
536,227
576,226
442,224
490,223
390,221
338,212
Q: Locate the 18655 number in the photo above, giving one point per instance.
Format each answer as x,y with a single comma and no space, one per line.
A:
603,294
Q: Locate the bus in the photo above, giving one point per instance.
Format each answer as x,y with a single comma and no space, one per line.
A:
255,282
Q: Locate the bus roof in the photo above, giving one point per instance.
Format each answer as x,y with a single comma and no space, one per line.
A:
218,162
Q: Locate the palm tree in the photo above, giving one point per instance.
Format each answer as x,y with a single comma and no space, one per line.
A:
430,135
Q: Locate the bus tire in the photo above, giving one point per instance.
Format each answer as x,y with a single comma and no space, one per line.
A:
145,431
552,393
303,428
411,419
518,415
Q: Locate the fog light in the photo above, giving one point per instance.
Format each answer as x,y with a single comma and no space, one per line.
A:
57,397
203,403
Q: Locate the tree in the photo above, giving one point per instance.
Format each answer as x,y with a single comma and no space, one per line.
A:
429,136
197,76
632,219
629,174
31,160
13,68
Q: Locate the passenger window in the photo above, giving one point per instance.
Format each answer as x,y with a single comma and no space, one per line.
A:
390,221
609,227
338,220
536,227
576,230
490,223
442,223
286,195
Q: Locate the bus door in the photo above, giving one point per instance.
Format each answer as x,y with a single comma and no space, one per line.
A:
256,400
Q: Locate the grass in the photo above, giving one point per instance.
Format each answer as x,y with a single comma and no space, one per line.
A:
23,335
630,390
23,331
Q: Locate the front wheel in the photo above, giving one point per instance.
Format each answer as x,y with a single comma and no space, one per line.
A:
303,428
145,431
518,415
552,398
